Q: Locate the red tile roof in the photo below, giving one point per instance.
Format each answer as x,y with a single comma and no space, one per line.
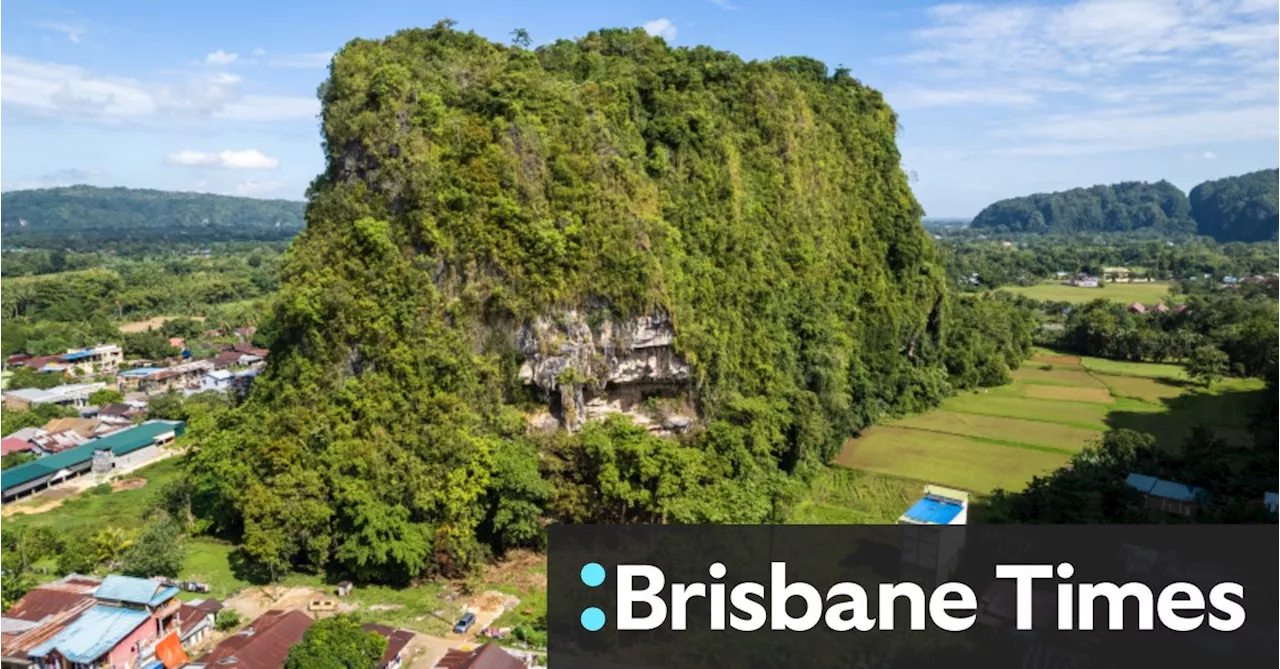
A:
397,639
488,656
265,643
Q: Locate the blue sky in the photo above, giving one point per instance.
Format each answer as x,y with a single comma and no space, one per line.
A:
996,99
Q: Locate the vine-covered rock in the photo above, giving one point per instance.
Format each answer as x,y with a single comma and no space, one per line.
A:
487,209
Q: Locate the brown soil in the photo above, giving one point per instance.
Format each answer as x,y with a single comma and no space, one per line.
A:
127,484
152,323
518,570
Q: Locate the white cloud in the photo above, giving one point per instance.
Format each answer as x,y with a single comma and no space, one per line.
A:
1208,155
1092,76
917,98
302,60
255,188
248,159
663,28
259,51
74,32
42,89
726,5
221,57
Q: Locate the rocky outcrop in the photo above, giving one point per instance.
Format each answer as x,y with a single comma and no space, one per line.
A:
613,367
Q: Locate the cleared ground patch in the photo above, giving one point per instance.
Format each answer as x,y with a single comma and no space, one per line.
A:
1012,430
946,459
153,323
1055,358
1147,293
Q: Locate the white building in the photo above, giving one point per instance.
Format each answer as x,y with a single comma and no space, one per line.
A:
100,359
74,395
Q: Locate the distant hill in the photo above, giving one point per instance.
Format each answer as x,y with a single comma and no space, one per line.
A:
1121,207
85,216
1242,208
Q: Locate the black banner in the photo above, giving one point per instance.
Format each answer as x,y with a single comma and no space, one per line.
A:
1027,596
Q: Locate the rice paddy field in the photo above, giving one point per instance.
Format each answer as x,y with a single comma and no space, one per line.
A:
1057,404
1149,292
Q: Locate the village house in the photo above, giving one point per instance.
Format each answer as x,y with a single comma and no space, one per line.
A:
121,627
1084,281
1171,497
156,379
73,395
1116,274
126,448
100,359
931,556
196,620
218,380
262,644
397,640
11,445
488,656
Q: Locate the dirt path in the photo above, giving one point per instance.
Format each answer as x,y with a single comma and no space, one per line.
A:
154,322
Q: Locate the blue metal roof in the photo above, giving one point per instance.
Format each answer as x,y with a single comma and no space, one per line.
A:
1272,500
93,634
134,590
140,371
934,510
1155,487
78,355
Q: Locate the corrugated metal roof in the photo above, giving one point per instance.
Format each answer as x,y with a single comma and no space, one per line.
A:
140,371
134,590
93,634
1155,487
120,443
1272,500
934,511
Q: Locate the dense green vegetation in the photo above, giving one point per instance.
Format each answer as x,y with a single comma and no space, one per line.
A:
1132,205
1241,208
84,218
1037,258
471,186
49,313
337,643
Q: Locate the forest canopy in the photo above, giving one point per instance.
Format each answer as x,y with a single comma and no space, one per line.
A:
82,217
471,187
1242,208
1121,207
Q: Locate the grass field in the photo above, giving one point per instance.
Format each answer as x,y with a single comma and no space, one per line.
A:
1146,293
1056,405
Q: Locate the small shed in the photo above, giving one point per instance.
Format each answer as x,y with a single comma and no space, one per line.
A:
1137,308
344,588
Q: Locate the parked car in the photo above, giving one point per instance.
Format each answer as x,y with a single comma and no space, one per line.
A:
464,623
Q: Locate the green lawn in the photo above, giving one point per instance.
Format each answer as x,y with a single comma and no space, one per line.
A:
1065,438
1127,293
1143,369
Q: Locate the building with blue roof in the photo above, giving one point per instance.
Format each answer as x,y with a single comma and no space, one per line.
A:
939,506
932,535
1272,501
129,616
1166,496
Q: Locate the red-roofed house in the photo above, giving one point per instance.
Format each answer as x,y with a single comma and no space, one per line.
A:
263,644
1137,308
10,445
488,656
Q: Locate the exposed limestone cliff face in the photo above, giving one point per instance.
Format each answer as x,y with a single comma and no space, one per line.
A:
614,367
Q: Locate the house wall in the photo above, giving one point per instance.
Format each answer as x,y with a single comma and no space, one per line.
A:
126,652
138,457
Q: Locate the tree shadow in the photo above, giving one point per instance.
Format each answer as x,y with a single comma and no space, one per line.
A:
1227,413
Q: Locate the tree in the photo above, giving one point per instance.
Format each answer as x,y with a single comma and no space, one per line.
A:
168,405
337,643
520,37
1207,364
27,377
36,417
158,551
105,396
108,545
16,458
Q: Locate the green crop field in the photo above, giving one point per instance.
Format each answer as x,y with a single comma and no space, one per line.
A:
1146,293
1056,405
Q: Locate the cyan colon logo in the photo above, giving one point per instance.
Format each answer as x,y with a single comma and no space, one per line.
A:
592,575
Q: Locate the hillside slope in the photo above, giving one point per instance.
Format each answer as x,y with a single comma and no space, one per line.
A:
84,216
1159,207
1244,208
727,249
